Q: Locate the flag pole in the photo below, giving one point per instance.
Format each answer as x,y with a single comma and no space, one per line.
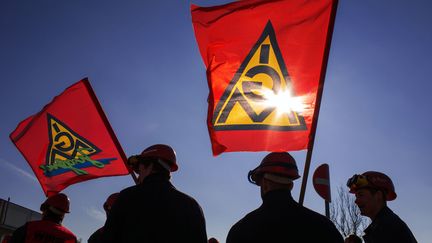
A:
109,128
327,208
318,103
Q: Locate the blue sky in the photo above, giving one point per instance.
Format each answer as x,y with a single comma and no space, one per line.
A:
144,65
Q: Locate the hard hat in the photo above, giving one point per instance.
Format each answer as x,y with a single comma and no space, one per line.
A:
58,203
281,164
110,201
163,154
375,180
213,240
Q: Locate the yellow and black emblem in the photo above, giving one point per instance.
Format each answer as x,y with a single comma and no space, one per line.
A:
260,95
65,144
68,151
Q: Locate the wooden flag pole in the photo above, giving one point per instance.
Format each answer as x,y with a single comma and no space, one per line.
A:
318,103
327,209
134,177
309,153
109,128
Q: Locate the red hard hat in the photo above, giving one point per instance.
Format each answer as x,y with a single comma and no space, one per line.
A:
375,180
110,201
58,201
213,240
278,163
163,152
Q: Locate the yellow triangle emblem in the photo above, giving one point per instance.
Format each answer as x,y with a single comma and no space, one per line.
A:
65,144
260,96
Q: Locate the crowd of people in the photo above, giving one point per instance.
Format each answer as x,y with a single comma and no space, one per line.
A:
155,211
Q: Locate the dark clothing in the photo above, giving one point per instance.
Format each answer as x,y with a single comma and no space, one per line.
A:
387,227
6,239
96,237
19,235
281,219
154,211
43,231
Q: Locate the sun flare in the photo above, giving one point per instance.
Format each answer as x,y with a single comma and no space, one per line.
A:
284,102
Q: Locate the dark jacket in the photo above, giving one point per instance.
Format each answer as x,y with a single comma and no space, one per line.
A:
387,227
43,231
154,211
96,237
281,219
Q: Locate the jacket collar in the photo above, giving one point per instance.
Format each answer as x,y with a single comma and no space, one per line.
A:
280,196
155,178
382,214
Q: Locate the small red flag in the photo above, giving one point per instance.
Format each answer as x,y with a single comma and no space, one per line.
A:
265,61
70,140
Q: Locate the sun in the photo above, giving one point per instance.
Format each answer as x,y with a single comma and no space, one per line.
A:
283,101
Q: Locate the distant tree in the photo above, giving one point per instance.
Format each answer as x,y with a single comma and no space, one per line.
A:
346,215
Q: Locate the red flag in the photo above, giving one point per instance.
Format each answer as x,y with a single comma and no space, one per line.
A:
265,61
70,140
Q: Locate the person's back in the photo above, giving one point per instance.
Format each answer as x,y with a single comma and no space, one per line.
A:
281,219
44,231
154,211
49,228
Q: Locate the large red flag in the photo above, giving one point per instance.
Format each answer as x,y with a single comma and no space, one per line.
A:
70,140
265,61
